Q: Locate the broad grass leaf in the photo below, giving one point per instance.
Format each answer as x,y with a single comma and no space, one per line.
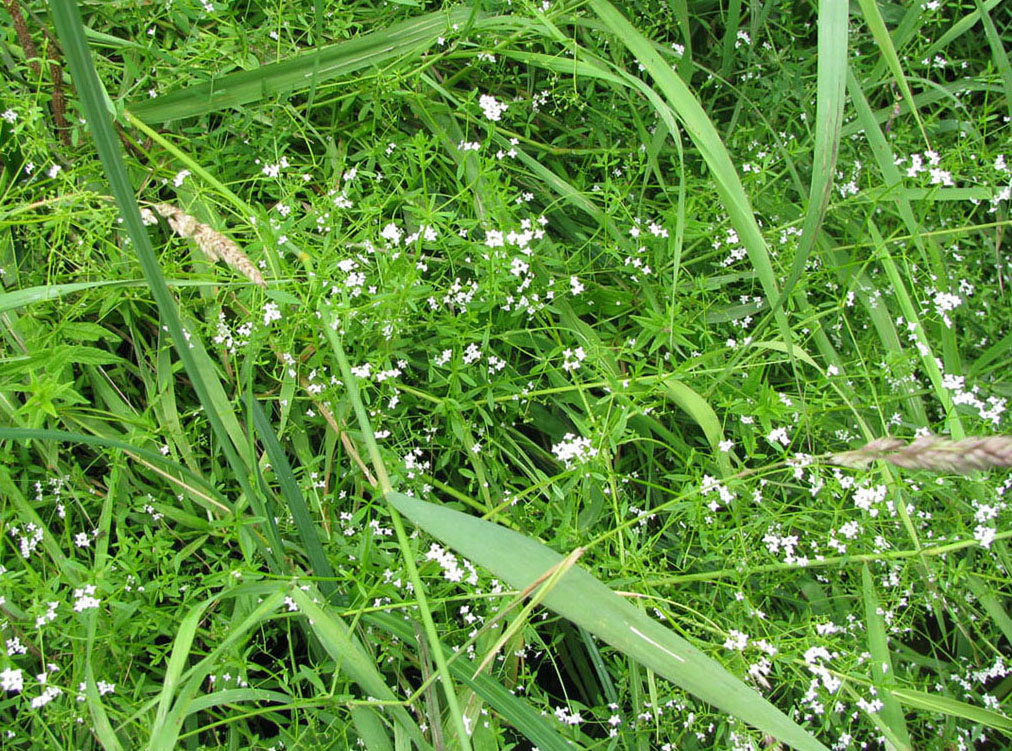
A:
371,730
588,603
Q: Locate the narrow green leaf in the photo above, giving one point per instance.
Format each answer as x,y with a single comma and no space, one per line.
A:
957,29
881,664
211,394
404,40
210,496
521,715
165,731
237,696
948,706
100,719
830,98
352,659
177,661
696,407
991,604
998,54
878,29
292,495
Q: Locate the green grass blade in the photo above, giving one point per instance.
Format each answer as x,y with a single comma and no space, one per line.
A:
177,661
404,41
991,604
292,495
407,550
881,664
20,298
101,726
353,660
588,603
992,356
521,715
876,24
928,360
998,53
959,28
696,407
199,368
948,706
830,98
371,729
236,696
211,497
732,23
166,729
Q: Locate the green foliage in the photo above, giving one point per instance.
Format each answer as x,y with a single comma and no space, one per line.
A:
588,293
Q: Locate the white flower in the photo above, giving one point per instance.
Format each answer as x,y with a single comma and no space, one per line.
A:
271,313
11,680
493,110
779,435
573,450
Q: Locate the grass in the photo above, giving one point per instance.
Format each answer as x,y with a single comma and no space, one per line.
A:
508,375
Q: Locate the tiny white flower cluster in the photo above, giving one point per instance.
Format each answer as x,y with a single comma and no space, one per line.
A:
992,409
938,176
573,450
11,680
452,571
84,598
274,170
711,484
563,715
572,359
493,109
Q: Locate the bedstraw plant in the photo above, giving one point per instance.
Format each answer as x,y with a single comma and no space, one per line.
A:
563,374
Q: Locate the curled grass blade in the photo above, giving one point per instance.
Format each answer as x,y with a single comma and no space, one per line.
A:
703,134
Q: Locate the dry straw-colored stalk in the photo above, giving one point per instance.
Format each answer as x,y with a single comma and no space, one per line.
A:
933,452
215,245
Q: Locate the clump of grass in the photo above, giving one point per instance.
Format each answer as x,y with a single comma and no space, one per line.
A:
933,453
